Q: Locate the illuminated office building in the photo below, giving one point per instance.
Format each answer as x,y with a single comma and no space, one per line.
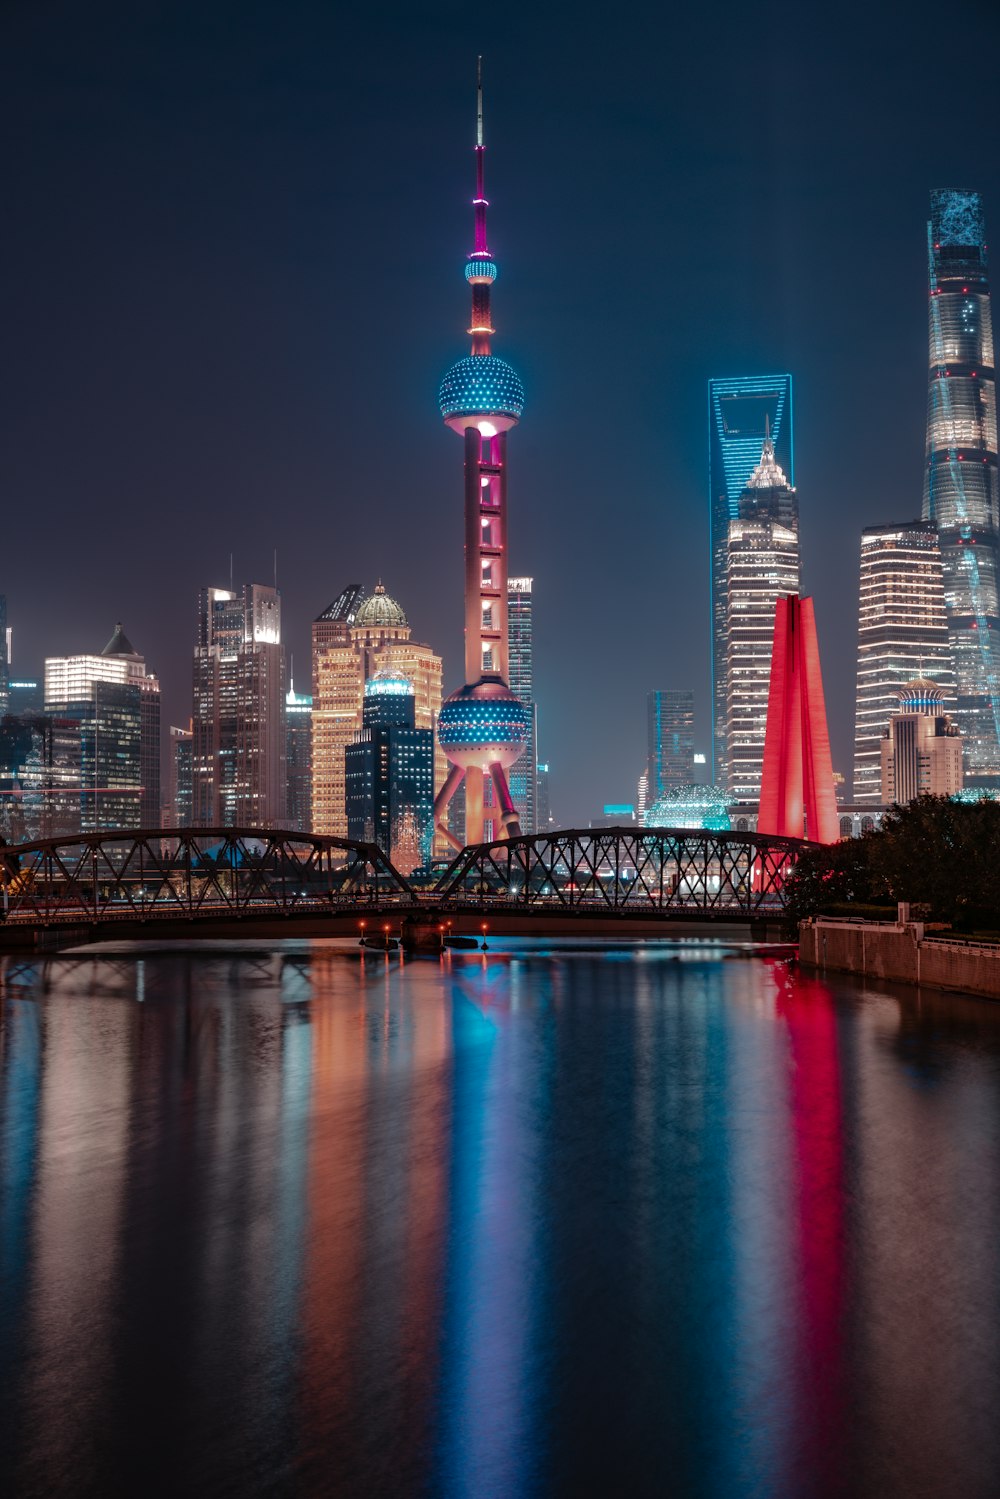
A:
41,776
298,759
921,752
117,704
363,638
389,774
741,413
762,565
902,635
669,742
543,805
4,656
179,811
238,719
520,647
960,484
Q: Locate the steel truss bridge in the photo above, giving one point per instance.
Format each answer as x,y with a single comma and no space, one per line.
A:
270,882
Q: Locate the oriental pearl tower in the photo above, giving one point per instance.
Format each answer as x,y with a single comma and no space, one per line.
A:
482,728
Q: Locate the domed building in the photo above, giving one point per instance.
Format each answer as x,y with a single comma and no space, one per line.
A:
357,638
922,748
691,807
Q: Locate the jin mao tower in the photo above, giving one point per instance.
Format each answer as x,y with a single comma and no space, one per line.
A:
483,727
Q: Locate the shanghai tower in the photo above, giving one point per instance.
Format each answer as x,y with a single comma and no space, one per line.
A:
960,480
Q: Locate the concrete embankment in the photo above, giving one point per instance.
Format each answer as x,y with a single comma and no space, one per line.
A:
901,951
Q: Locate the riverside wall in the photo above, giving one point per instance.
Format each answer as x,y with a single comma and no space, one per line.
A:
900,951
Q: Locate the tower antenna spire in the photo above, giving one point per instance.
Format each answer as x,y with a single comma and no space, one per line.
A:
479,100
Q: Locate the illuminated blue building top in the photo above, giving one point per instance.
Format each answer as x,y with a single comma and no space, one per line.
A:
738,409
481,385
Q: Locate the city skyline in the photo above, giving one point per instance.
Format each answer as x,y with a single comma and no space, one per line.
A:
787,300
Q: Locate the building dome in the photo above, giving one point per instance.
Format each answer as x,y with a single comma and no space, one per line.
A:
380,612
921,696
691,807
481,386
483,725
386,683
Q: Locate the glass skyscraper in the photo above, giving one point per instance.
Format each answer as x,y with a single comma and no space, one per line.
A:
741,413
960,483
389,775
902,635
669,741
762,565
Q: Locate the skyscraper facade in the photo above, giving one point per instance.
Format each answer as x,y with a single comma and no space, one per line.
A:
520,645
4,657
41,776
741,413
298,759
483,727
921,751
368,637
762,566
117,705
179,811
960,483
902,635
238,719
669,742
389,775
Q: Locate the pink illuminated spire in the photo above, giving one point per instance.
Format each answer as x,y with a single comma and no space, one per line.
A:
480,270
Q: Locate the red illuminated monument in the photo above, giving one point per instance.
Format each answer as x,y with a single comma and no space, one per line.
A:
797,797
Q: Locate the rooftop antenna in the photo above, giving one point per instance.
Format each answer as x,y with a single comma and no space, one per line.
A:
230,572
276,569
479,100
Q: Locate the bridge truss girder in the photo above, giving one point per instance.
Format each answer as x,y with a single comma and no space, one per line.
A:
629,870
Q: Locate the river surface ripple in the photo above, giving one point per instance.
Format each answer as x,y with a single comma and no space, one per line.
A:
657,1220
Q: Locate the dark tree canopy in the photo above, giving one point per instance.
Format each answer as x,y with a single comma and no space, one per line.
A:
934,852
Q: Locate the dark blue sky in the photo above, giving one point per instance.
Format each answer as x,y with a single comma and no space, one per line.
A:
233,245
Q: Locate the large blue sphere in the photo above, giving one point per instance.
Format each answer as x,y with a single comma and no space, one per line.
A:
481,385
483,723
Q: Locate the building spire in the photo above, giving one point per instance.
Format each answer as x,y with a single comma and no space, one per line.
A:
480,270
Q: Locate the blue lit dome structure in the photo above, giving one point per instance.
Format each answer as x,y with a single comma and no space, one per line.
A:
387,683
483,725
691,807
481,386
921,696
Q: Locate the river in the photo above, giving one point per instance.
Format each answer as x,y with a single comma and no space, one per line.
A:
661,1219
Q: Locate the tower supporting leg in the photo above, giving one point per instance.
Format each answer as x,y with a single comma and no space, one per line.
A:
441,801
473,805
508,812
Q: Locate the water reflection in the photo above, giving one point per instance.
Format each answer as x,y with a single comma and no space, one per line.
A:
313,1221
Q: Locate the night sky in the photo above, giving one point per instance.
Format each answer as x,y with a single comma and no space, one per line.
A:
233,246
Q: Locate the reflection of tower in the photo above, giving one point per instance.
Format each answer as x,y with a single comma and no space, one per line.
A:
483,727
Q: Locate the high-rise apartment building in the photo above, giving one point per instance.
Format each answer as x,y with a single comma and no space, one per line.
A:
741,413
298,758
117,704
389,774
669,742
921,752
347,650
762,566
902,635
543,804
960,484
238,719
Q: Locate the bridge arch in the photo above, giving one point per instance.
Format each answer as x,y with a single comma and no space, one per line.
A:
629,869
187,872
